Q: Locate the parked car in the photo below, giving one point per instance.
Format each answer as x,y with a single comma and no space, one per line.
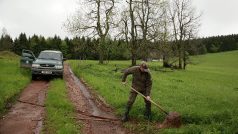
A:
48,63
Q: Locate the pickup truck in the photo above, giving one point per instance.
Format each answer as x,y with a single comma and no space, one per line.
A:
48,63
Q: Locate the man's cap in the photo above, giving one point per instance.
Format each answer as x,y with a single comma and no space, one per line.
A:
144,66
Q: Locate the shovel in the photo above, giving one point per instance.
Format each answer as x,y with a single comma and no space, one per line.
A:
172,120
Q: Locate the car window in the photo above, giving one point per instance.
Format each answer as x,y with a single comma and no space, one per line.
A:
50,55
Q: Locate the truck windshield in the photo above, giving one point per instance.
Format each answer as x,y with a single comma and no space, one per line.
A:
50,56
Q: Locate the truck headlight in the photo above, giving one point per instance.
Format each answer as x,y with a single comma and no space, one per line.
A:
35,65
59,67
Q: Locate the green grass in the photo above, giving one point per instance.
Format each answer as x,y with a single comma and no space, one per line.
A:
59,110
206,94
13,79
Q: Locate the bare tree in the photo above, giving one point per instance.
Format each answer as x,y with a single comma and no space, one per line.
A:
124,27
147,14
95,23
136,28
165,36
133,32
4,31
128,30
185,24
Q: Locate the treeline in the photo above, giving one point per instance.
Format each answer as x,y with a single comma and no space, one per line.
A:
75,48
216,44
85,48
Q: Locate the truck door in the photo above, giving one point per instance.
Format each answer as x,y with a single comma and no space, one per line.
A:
27,58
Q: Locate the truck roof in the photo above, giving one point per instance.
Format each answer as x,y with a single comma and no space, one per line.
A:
54,51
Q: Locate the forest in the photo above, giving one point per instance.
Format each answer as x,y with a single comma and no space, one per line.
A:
85,48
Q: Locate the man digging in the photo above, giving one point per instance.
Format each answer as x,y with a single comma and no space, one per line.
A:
141,81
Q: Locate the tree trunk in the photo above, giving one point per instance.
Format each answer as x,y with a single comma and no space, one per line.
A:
165,62
184,63
184,57
101,59
133,59
101,50
133,38
180,56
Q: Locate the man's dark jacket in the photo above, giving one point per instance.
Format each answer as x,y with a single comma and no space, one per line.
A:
141,81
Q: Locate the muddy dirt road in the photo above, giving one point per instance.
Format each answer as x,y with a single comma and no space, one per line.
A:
96,116
26,116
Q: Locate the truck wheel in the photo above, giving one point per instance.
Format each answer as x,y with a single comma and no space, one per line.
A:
33,77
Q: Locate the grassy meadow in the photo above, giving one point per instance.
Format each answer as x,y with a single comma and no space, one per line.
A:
12,78
206,94
59,110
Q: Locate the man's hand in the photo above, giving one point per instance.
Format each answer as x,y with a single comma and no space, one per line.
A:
148,98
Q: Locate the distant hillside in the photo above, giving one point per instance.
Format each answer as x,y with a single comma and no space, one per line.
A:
8,55
219,58
224,62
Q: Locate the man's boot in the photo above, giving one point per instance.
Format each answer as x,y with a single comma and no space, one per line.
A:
125,117
147,113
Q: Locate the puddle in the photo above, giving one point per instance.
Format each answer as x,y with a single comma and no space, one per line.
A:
96,110
38,127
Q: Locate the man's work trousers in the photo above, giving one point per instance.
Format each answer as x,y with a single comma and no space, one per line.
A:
132,99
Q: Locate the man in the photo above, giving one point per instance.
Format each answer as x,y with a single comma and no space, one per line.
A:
141,81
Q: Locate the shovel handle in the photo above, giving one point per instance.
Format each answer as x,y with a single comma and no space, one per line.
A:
150,101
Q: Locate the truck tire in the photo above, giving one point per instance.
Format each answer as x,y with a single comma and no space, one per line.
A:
33,77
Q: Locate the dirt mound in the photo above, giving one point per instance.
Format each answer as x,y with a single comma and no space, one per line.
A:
8,55
172,120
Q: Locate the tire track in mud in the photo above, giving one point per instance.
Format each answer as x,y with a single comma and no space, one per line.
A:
26,116
96,117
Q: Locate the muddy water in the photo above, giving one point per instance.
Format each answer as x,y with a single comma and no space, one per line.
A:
87,95
93,114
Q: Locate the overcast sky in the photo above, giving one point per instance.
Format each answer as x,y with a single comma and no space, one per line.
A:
46,17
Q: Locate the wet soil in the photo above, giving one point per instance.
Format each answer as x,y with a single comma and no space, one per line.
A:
26,116
172,120
96,116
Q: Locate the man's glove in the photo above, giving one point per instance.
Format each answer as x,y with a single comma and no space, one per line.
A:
148,98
